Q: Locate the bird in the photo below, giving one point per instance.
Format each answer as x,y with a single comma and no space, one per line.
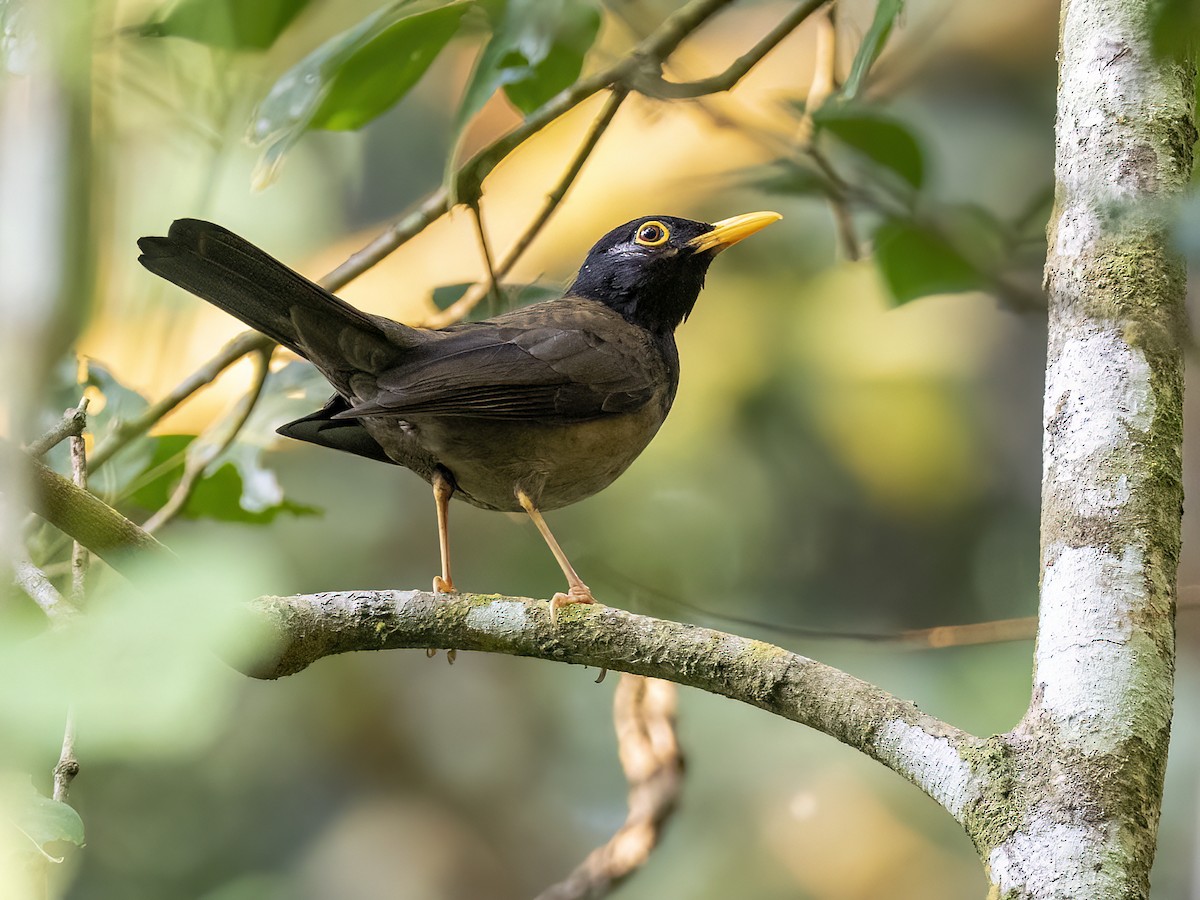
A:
528,411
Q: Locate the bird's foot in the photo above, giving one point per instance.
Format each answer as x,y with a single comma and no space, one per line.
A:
576,593
442,586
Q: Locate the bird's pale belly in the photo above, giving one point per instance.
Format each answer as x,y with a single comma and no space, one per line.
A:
555,464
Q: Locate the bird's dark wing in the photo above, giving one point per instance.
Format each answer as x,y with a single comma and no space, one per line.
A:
322,427
564,360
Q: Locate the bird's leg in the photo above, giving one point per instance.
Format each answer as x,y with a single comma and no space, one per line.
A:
443,490
577,591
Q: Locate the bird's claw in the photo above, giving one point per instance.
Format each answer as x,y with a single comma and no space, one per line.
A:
442,586
576,593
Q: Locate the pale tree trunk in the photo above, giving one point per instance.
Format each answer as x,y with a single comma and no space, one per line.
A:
1085,767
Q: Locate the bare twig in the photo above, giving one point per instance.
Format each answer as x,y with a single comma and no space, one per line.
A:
824,74
33,581
839,202
430,209
644,716
485,249
655,85
79,553
474,294
67,766
209,446
70,425
243,344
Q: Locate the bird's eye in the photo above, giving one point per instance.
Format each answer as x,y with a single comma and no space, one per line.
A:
652,234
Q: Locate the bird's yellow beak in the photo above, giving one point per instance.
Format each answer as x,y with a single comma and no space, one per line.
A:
729,231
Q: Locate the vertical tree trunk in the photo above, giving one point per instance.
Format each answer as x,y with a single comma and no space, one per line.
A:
1082,774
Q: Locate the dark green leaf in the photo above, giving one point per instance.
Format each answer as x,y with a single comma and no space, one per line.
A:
236,489
448,294
383,69
41,820
242,490
916,261
232,24
237,486
871,46
881,139
351,78
536,50
111,404
152,488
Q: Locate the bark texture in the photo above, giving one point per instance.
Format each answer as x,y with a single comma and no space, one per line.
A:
1083,772
936,757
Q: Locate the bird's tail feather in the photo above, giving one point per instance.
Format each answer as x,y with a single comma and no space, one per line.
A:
233,274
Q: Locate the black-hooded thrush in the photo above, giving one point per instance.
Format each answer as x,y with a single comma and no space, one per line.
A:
531,410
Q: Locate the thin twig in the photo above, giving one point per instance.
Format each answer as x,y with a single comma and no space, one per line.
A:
485,249
208,447
656,86
431,208
838,195
474,294
648,747
67,766
79,553
33,581
243,344
824,74
70,425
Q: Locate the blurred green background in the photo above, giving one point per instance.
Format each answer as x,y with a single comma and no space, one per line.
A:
833,462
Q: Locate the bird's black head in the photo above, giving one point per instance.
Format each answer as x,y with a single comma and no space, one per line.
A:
651,270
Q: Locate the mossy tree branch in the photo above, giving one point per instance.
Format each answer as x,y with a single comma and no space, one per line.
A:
926,751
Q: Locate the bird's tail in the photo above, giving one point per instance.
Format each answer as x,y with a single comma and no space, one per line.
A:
230,272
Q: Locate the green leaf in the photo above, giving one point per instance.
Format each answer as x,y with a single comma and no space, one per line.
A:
351,78
243,490
448,294
153,486
879,138
238,486
231,24
111,404
536,50
871,46
41,820
916,261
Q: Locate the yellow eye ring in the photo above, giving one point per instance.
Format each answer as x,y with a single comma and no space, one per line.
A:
652,234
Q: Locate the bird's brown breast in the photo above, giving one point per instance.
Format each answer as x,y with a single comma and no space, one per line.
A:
555,464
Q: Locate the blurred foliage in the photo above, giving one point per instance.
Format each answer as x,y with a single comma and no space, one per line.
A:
832,463
231,24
